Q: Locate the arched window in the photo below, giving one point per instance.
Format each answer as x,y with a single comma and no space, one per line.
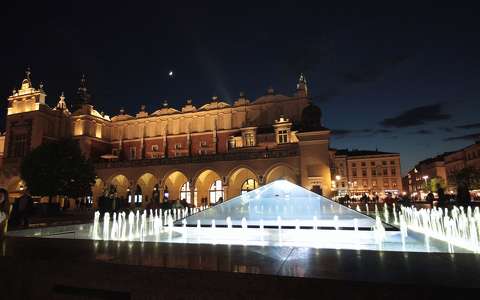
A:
249,185
216,191
185,193
138,195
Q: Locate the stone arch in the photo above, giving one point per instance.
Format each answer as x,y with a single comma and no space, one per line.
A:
121,183
236,177
204,180
15,187
173,181
98,189
147,182
280,171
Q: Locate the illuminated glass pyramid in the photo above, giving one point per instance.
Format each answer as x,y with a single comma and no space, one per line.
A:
281,199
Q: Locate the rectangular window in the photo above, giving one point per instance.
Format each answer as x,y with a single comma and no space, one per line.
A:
384,162
19,145
385,171
202,152
394,183
154,155
178,146
354,165
133,153
364,172
354,172
393,171
155,148
392,162
372,163
385,184
374,183
365,183
363,164
374,172
282,136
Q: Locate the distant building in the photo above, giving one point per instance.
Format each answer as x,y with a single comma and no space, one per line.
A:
425,170
443,166
194,153
356,172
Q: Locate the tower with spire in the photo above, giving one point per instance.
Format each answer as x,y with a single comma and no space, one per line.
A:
27,97
82,96
302,89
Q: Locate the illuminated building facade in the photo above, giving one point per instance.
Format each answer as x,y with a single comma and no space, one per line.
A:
443,167
194,153
358,172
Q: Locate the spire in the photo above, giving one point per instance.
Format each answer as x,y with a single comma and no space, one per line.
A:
302,89
61,105
82,96
27,82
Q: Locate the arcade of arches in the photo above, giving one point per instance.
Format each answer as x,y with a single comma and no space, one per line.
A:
205,186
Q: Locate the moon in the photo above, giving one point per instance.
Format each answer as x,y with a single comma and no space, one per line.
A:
170,73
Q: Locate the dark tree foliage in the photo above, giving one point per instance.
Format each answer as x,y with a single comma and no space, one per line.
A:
58,168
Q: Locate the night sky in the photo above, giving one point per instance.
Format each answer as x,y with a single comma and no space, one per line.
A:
397,78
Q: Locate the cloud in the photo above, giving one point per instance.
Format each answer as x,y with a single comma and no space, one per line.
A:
417,116
374,72
469,126
423,131
341,133
467,137
446,129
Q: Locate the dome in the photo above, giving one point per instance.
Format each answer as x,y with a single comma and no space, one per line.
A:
311,118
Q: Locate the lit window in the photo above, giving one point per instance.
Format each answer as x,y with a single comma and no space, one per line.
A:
249,139
365,183
216,191
364,172
202,152
133,153
185,193
249,185
231,142
374,183
282,136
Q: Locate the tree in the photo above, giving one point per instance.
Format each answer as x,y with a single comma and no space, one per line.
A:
434,183
468,177
58,168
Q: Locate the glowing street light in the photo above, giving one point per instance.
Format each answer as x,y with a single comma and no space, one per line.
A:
338,177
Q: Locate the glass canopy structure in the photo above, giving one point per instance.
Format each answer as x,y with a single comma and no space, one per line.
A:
281,202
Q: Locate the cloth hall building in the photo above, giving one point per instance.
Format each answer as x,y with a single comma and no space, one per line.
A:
192,153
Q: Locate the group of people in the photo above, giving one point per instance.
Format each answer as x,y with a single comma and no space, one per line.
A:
17,213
